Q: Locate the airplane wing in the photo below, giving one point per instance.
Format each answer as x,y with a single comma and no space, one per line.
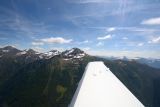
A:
99,87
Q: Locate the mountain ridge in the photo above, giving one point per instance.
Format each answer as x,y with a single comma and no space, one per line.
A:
71,53
28,80
152,62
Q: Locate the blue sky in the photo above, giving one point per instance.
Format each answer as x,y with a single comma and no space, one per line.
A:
100,27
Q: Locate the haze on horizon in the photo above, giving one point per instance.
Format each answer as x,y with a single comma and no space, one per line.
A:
100,27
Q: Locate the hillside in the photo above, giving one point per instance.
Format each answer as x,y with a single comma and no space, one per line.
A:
35,79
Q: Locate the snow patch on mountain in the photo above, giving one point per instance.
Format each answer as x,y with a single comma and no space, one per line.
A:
66,59
50,54
79,55
74,53
5,51
69,52
22,53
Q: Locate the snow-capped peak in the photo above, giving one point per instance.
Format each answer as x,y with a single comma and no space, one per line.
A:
67,52
51,53
73,53
31,51
28,51
9,50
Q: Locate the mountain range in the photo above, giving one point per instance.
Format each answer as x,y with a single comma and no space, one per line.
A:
32,79
10,51
152,62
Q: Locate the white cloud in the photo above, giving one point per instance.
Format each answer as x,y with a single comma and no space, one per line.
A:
155,40
111,29
58,40
37,43
86,41
125,38
86,48
49,8
134,29
83,42
39,49
140,44
152,21
104,37
99,44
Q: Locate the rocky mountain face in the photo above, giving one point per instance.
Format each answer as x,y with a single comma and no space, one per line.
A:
8,51
32,79
50,54
32,55
73,53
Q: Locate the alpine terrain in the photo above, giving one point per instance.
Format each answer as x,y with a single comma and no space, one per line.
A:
32,79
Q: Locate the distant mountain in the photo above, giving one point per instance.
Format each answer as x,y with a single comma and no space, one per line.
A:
8,51
149,61
73,53
11,52
50,54
32,79
152,62
32,55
